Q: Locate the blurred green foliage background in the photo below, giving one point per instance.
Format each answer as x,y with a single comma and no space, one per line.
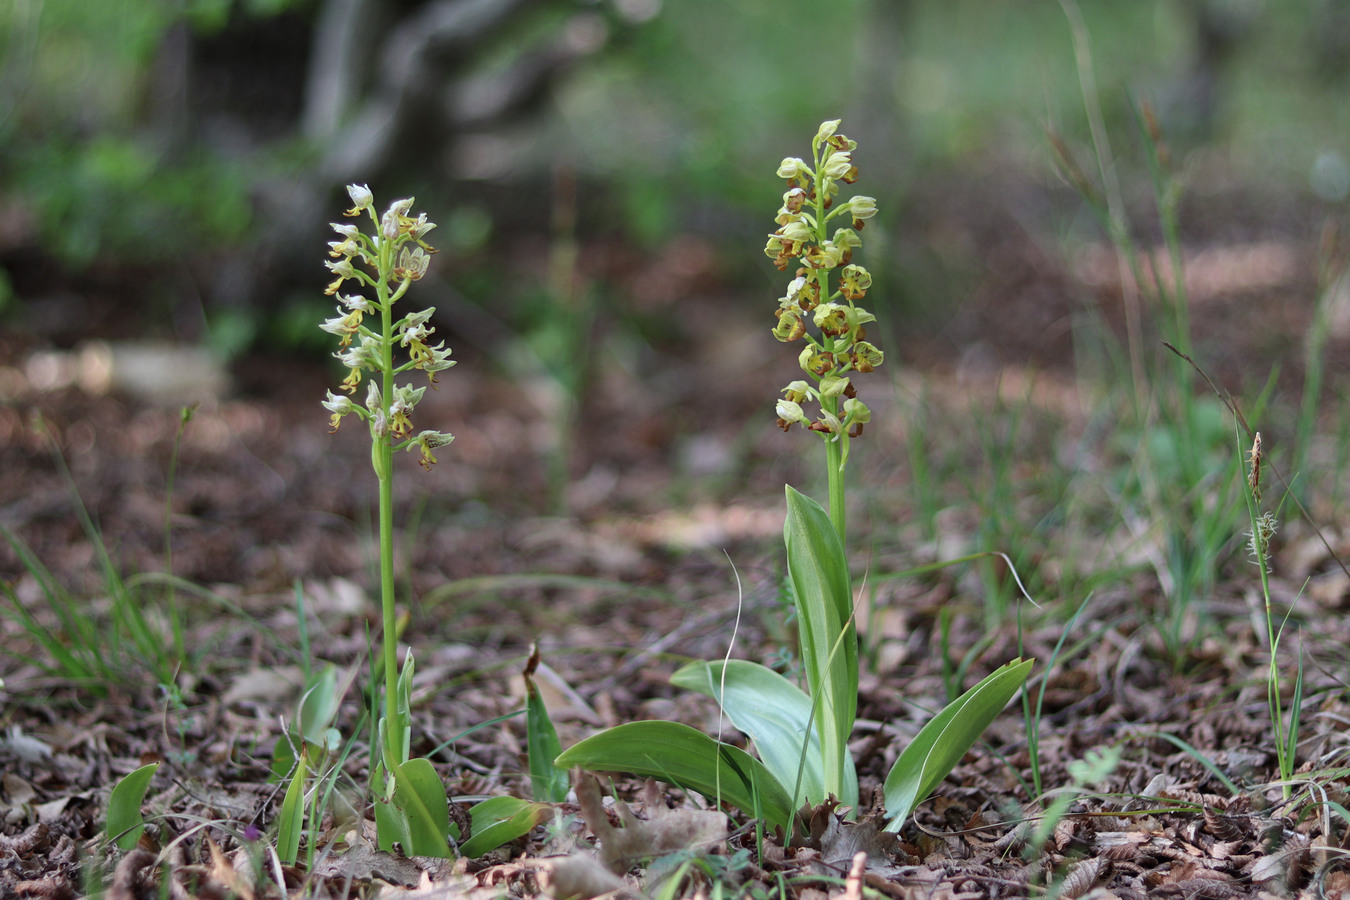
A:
169,148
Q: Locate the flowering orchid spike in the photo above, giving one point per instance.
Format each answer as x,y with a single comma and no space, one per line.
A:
819,308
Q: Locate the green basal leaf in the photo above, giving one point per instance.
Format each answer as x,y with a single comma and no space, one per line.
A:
391,826
292,820
398,738
283,757
775,714
500,819
547,781
686,758
319,704
420,799
829,645
125,824
940,744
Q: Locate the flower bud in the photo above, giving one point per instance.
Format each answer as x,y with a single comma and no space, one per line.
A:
826,131
789,413
796,231
833,385
836,165
861,207
856,415
395,218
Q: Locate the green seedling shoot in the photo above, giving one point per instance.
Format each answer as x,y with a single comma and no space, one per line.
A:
802,736
124,825
305,756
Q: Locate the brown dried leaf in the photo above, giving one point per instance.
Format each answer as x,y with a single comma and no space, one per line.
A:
1269,867
1082,877
1122,845
580,877
362,862
1063,833
237,883
1225,828
126,877
664,830
453,888
840,841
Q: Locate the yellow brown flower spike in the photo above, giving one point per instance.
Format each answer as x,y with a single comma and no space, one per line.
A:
837,349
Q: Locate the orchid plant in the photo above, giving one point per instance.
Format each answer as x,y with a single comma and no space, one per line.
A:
411,807
801,736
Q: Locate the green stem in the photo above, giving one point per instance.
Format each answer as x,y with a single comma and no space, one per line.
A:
834,448
384,453
834,459
382,458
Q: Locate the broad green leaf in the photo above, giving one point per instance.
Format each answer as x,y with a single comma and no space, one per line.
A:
940,744
398,736
125,824
319,704
283,757
829,645
292,819
687,758
547,781
500,819
391,826
775,714
420,798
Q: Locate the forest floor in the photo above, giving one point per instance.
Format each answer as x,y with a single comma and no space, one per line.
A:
990,433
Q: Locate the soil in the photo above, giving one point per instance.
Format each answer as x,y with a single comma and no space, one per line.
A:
662,543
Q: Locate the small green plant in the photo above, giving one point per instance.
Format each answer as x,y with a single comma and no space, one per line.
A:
802,736
410,802
124,824
1085,774
96,651
1263,526
547,782
308,757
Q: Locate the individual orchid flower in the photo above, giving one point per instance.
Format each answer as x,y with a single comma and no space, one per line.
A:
789,414
362,199
339,405
343,270
395,220
400,410
428,441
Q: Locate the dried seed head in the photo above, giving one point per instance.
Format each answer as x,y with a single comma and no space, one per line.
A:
1254,477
